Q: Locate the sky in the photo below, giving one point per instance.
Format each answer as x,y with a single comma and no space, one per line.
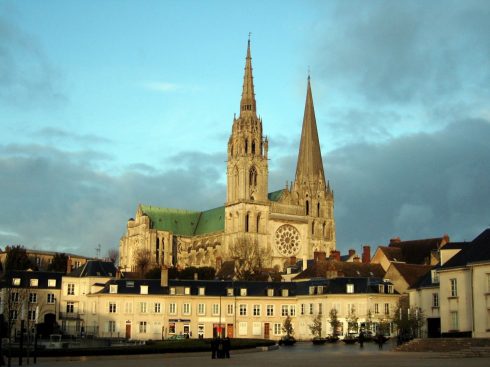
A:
108,104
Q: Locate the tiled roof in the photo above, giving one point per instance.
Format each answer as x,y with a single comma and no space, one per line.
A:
275,195
411,272
476,251
26,275
254,289
392,253
345,269
418,251
95,268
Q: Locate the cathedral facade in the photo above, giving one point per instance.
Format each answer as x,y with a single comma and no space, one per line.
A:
285,225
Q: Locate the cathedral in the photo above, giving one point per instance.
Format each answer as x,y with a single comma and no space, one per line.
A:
285,225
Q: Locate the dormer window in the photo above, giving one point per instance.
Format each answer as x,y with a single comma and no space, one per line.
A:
270,292
285,292
16,281
381,288
390,288
33,282
229,292
312,290
243,292
172,290
143,289
187,291
113,288
202,291
350,288
51,283
434,276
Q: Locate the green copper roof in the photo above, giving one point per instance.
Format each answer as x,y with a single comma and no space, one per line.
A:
185,222
191,223
275,195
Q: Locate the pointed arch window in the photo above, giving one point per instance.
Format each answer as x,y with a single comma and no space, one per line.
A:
253,147
247,217
252,177
307,207
258,223
313,227
246,146
318,209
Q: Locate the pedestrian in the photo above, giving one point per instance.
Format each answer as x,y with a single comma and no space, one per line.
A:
226,347
380,341
361,339
214,347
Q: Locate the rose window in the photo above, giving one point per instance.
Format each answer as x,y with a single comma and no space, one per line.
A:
287,240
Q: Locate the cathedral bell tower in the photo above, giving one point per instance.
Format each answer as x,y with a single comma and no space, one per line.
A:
247,169
310,189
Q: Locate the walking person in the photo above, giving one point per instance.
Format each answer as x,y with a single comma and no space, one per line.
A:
214,348
226,347
361,339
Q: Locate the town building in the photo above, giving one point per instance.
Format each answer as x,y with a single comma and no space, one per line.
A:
293,222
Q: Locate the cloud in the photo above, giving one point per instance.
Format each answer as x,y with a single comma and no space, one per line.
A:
27,77
56,134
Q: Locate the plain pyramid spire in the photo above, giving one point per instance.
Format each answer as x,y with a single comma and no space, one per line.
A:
247,104
310,164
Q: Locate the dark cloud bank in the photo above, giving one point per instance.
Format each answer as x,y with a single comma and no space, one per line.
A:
417,186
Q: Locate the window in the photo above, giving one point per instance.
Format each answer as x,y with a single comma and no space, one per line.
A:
171,328
454,320
31,315
172,290
16,281
434,276
34,282
270,310
350,288
390,288
229,291
157,307
229,309
215,309
70,307
435,299
172,308
187,291
277,329
201,309
112,307
70,289
113,288
243,292
311,290
376,308
14,297
256,328
142,327
302,309
285,292
51,283
111,326
311,308
186,309
381,288
270,292
144,289
143,308
256,310
454,288
387,308
202,291
51,298
13,315
284,310
32,297
243,310
320,308
242,328
292,310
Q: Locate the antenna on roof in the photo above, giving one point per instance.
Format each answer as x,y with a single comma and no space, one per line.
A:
97,251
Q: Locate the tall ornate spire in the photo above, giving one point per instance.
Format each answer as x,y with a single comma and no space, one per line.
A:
247,104
310,164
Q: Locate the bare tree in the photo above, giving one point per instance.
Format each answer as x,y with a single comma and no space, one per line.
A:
143,261
113,255
250,259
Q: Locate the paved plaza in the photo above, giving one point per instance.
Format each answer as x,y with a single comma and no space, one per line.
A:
300,355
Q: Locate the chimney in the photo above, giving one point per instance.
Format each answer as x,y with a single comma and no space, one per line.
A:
68,265
352,252
335,255
164,277
366,254
394,240
118,273
219,262
319,256
196,276
292,260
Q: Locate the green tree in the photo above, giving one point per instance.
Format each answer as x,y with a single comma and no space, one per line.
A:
287,327
316,327
408,320
352,325
17,259
334,321
59,262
